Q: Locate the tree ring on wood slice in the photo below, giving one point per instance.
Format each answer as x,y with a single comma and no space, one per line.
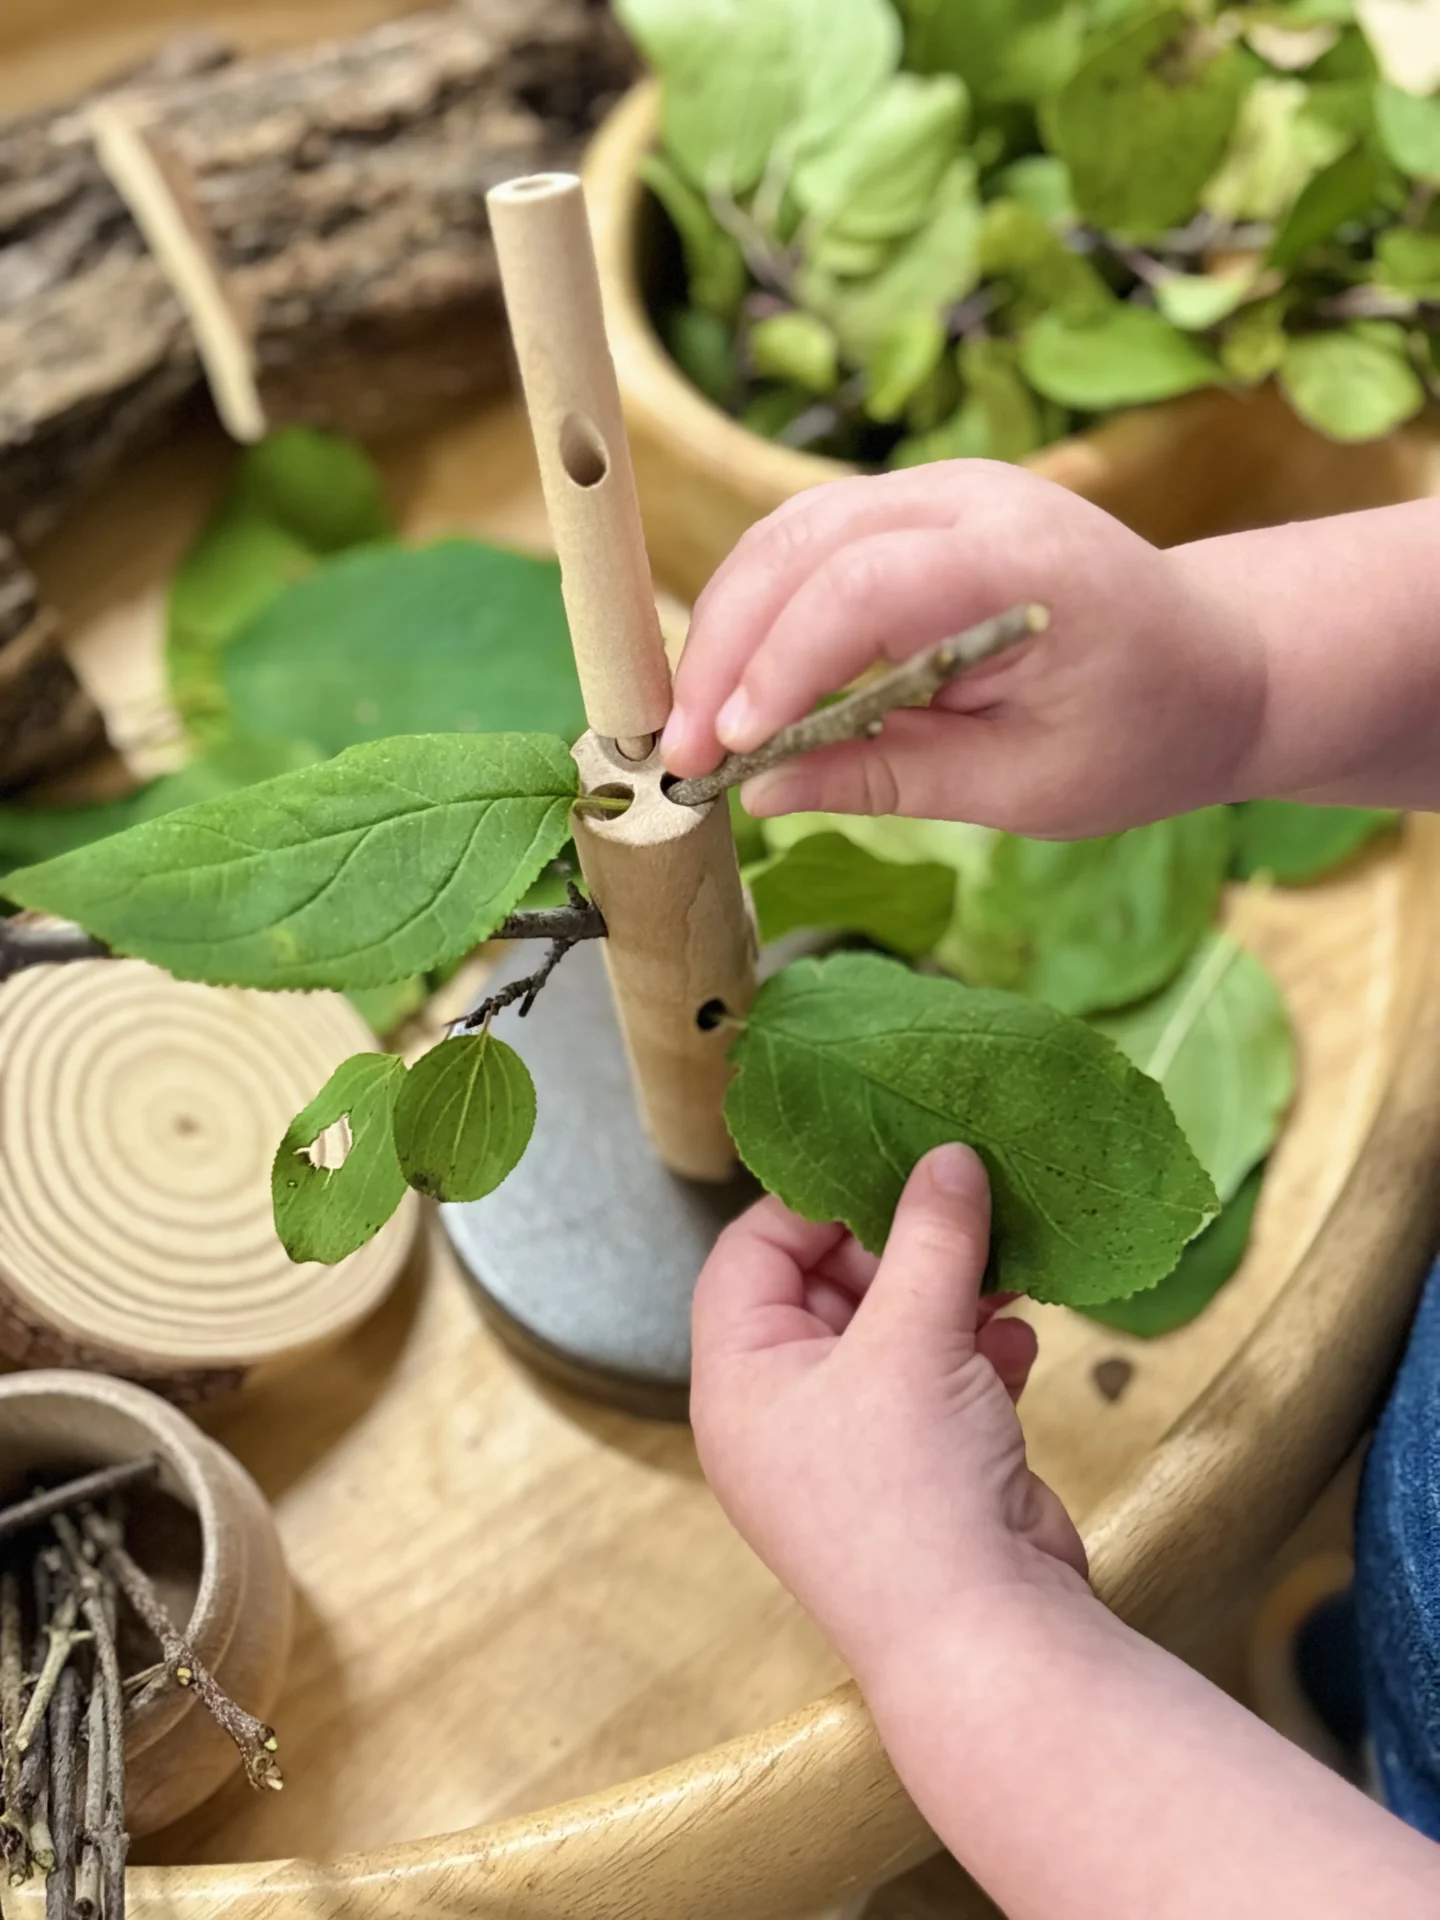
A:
586,1257
139,1117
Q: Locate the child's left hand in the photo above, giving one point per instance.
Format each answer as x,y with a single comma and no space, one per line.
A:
856,1417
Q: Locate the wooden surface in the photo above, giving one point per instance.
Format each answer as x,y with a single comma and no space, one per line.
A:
138,1119
1202,465
226,1586
507,1599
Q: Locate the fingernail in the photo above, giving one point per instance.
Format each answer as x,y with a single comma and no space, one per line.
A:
956,1169
735,723
770,793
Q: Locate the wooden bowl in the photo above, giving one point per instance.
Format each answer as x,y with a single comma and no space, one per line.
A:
204,1533
1206,464
535,1671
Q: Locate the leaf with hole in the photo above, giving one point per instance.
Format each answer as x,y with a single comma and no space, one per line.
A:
1293,843
1129,358
1145,120
1349,386
464,1117
850,1069
1210,1260
394,858
457,637
826,881
1218,1041
1091,924
325,1213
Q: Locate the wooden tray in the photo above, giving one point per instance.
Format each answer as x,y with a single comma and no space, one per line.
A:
536,1675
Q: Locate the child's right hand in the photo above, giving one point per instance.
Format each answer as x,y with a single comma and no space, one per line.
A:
1144,698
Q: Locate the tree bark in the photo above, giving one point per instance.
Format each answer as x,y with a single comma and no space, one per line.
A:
339,194
47,720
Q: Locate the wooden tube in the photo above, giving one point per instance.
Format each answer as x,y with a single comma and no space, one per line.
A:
552,294
680,950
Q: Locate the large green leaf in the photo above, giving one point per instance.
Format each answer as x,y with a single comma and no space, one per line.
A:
325,1213
1338,194
389,860
1350,386
1144,121
879,180
1409,126
849,1070
296,497
730,70
1091,924
1002,49
1293,843
458,637
464,1117
1218,1041
1276,148
1206,1264
31,834
826,881
1129,357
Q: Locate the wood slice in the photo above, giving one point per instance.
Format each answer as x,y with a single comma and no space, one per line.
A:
138,1120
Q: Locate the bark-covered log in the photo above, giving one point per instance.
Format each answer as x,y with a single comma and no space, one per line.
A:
339,193
47,720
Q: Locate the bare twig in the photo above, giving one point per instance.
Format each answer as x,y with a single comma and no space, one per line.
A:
582,920
60,1887
62,1637
14,1832
87,1877
75,1493
255,1740
105,1836
579,919
862,714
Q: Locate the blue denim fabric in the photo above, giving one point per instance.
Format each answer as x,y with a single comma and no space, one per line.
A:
1397,1579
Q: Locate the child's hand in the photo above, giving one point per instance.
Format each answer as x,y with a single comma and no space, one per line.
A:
1144,698
856,1417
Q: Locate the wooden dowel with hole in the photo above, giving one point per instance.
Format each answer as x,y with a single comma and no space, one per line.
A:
552,295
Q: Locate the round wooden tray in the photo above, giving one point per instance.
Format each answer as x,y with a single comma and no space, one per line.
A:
535,1672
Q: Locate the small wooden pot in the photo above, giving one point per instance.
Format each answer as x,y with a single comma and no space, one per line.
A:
203,1533
1206,464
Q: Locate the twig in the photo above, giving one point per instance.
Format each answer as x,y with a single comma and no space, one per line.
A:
256,1741
862,714
105,1798
87,1878
44,943
62,1637
74,1493
60,1887
14,1833
582,921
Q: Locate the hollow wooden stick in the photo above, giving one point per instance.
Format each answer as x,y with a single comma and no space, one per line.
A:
552,295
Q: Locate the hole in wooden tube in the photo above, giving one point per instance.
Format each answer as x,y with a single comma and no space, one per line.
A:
711,1014
612,791
533,186
583,453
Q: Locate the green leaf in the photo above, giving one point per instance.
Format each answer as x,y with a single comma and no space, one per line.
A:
1206,1264
1218,1041
394,858
702,348
844,55
770,410
1144,121
31,834
1018,245
1091,924
1196,302
1409,126
878,181
464,1117
1277,146
926,274
1042,183
1410,262
901,364
1003,49
729,70
457,637
1337,195
295,498
1349,387
326,1213
1255,342
1131,357
851,1069
999,419
1293,843
797,348
826,881
715,269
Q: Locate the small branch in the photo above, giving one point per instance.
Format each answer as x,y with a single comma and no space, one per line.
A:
565,927
60,1887
14,1833
102,1875
75,1493
87,1878
256,1741
44,943
60,1631
862,714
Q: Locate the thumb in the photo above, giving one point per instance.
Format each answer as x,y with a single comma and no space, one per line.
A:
928,1281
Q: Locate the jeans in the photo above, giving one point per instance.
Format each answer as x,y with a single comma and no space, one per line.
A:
1397,1579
